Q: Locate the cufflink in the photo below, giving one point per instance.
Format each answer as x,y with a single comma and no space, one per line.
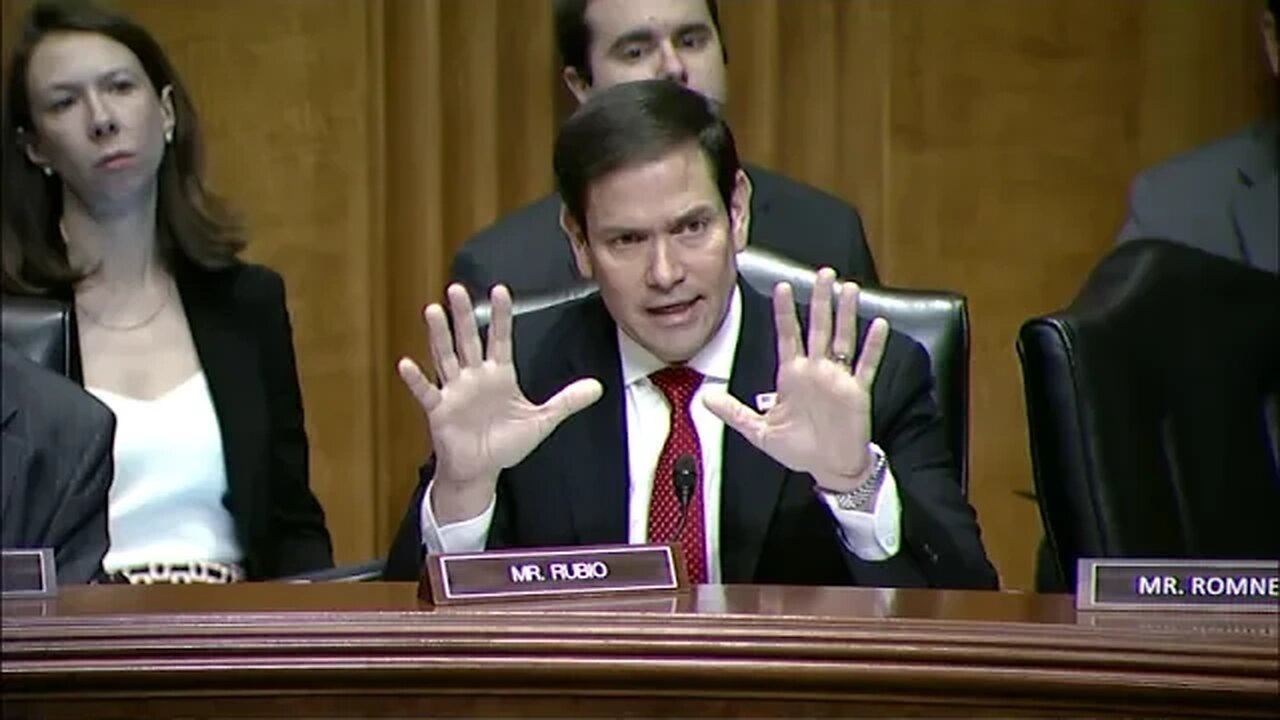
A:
764,401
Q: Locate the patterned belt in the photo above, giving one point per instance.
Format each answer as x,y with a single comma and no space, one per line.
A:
183,573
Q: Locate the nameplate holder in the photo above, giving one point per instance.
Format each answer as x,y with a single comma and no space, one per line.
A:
1181,585
547,573
28,574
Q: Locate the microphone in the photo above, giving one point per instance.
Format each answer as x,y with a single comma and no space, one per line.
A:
684,477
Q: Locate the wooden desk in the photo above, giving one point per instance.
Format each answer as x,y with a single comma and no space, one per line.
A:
370,650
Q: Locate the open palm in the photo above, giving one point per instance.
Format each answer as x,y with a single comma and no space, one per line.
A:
821,421
480,420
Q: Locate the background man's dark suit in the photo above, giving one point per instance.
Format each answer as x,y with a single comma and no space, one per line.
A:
240,326
1223,198
774,529
57,467
529,252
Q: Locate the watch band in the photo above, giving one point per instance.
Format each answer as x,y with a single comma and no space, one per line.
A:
861,496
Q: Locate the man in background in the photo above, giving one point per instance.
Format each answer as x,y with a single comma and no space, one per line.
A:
56,442
1223,197
606,42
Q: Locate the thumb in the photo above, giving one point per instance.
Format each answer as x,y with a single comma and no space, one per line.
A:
571,399
733,413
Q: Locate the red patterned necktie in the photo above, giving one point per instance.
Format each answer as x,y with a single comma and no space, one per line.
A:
679,383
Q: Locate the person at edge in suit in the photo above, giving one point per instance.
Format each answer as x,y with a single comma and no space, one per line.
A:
570,431
1223,197
606,42
56,441
104,204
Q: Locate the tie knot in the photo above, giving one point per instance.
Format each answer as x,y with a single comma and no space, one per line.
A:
678,383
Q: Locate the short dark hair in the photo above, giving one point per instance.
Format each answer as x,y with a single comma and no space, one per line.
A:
1274,7
192,224
637,122
573,34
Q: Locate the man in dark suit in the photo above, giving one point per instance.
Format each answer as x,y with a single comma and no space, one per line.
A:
1224,197
57,467
677,362
605,42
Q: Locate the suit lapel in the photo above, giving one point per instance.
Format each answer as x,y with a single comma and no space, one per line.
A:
14,446
597,479
1257,219
751,482
229,365
1255,205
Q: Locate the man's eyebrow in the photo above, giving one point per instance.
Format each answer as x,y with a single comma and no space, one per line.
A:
632,36
697,26
703,211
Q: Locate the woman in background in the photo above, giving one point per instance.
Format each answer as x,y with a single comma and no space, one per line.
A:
104,203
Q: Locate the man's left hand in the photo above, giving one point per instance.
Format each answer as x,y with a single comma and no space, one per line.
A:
821,422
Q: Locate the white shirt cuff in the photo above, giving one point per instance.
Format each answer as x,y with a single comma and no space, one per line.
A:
875,535
462,536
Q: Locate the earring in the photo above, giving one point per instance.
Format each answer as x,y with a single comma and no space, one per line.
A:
48,171
168,136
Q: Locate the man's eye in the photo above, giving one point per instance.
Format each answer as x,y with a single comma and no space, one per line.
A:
61,104
633,52
693,40
627,239
122,86
692,227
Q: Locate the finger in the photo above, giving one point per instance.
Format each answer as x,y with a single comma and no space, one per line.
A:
467,336
872,352
846,333
731,411
571,399
820,314
784,322
500,324
424,391
441,342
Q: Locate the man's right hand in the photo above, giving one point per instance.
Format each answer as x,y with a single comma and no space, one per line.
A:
480,421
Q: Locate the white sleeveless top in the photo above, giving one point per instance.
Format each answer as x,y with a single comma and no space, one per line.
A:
170,477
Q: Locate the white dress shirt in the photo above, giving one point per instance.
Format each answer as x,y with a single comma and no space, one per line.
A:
869,535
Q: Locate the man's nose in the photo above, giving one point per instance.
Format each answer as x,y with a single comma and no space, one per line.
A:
673,67
665,270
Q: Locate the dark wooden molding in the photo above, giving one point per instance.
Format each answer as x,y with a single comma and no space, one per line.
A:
372,650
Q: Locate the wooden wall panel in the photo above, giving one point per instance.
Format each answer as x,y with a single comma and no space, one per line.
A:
988,144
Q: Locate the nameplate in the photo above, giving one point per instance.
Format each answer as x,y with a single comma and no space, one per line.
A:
28,573
1213,585
543,573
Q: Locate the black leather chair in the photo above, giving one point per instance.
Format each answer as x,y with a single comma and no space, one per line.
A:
1153,404
43,330
937,320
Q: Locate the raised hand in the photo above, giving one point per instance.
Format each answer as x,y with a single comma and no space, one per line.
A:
821,422
480,420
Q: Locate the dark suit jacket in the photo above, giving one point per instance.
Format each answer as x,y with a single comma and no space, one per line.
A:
529,252
57,467
572,490
240,325
1223,198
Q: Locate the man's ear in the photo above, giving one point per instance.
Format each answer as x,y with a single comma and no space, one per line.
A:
577,242
576,83
740,211
1271,41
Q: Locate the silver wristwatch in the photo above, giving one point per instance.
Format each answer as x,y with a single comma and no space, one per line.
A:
861,496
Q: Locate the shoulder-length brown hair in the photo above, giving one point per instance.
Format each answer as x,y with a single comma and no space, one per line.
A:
193,226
